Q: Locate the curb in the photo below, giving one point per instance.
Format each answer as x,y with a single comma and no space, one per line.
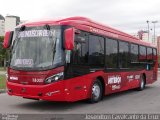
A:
2,91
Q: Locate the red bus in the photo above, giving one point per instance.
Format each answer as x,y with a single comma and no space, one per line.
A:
74,59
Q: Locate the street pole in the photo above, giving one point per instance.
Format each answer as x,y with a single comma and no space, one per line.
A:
148,29
154,27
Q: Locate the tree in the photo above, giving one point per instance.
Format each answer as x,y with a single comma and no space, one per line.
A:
3,52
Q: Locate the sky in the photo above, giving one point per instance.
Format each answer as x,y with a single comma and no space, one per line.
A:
126,15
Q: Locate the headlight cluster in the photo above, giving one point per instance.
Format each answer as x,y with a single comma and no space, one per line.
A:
54,78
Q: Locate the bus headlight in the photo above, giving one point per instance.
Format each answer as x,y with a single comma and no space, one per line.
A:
54,78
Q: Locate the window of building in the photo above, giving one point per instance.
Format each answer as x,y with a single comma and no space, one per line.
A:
111,53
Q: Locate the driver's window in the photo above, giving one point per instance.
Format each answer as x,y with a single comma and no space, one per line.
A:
80,52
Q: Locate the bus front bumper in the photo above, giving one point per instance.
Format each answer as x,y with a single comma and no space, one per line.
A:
50,92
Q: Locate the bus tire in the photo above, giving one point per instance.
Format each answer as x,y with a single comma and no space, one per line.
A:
142,83
96,92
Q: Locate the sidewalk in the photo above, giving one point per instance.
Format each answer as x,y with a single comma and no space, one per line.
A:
3,72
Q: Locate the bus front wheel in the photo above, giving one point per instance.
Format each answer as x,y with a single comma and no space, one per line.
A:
96,92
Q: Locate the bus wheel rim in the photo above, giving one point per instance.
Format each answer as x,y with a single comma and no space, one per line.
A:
96,91
142,84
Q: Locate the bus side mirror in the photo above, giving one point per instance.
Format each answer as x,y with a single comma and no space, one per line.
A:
69,38
7,39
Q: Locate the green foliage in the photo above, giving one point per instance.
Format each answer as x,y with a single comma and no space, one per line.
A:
3,52
2,38
2,82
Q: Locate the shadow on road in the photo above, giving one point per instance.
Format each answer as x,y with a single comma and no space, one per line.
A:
124,93
66,106
50,106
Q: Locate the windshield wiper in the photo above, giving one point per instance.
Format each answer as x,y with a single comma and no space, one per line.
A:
54,48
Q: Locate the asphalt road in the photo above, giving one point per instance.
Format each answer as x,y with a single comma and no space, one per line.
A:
132,101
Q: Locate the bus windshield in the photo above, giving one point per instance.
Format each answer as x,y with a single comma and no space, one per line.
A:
36,48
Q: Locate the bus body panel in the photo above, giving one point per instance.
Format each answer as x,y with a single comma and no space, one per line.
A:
31,77
52,92
73,89
79,88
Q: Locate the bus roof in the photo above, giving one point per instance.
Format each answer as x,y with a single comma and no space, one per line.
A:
91,26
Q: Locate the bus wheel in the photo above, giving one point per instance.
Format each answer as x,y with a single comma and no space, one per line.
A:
142,83
96,91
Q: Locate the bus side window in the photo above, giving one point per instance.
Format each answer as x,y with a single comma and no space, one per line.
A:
123,54
80,52
96,51
142,54
111,53
149,54
134,55
154,54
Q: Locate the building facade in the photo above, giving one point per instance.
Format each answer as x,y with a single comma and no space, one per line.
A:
158,45
11,22
2,25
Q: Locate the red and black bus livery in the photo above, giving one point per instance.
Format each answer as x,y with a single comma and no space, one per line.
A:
76,58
